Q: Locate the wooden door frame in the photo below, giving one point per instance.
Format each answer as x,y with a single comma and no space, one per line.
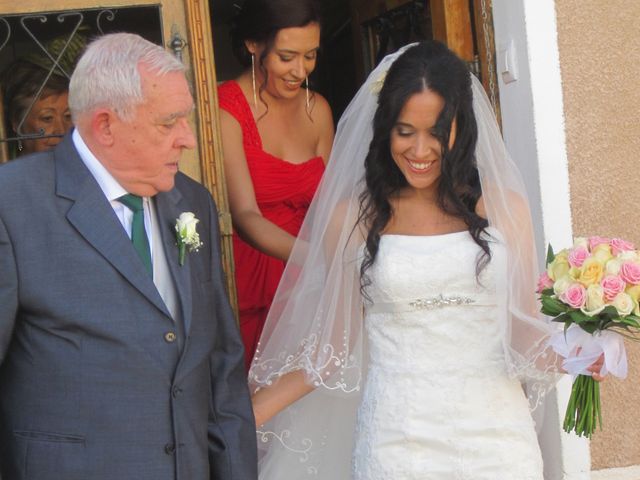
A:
200,42
451,20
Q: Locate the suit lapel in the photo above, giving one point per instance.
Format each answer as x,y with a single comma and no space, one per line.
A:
169,206
94,219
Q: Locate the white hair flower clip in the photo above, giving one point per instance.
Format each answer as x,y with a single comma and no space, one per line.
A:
377,85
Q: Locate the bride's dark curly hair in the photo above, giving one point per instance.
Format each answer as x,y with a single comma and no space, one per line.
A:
428,65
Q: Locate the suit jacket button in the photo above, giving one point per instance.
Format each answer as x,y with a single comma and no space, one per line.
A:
169,449
170,337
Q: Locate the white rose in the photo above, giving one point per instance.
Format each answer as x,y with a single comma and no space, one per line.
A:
561,285
630,255
187,233
613,266
186,225
602,253
623,303
581,242
595,300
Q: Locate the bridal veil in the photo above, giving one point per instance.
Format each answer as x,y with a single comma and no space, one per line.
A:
316,319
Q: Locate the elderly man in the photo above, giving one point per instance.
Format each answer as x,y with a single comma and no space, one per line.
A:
119,355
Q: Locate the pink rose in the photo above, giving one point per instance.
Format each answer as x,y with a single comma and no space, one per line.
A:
595,241
577,256
618,245
575,296
544,282
630,272
612,285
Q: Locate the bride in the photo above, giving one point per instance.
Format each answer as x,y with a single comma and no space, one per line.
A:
405,324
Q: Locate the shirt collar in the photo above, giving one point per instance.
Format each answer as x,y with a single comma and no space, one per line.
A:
109,185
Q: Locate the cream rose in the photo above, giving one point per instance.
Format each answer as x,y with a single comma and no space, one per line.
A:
613,266
581,242
562,284
596,240
623,303
629,255
602,253
634,292
595,300
574,272
559,267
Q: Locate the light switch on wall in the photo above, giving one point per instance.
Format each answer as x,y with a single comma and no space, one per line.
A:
508,62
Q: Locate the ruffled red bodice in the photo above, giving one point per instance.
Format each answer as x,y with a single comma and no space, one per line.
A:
283,192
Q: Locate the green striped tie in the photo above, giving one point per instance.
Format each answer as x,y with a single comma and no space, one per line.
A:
138,233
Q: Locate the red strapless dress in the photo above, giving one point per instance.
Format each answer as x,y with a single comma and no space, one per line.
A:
284,192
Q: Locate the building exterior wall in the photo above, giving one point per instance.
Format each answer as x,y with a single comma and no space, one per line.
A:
600,67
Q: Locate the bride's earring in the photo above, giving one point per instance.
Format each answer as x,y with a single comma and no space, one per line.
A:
306,85
20,147
253,80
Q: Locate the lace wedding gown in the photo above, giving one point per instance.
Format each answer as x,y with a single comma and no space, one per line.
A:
437,402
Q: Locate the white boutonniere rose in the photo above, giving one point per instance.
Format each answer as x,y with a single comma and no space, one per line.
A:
187,235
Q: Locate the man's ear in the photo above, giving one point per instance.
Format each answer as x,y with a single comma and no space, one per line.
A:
102,125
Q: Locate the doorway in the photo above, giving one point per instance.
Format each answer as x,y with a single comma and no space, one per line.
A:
357,34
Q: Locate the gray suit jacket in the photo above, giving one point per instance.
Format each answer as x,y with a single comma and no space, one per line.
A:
92,386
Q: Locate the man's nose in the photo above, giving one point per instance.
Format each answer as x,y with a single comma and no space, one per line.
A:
187,138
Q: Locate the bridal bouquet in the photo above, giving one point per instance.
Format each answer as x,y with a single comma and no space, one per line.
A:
593,288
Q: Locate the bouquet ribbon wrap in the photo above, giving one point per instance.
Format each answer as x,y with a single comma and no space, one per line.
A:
580,349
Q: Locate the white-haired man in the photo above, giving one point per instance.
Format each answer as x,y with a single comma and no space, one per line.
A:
119,355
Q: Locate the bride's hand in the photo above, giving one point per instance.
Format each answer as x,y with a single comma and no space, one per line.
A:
268,401
257,412
595,368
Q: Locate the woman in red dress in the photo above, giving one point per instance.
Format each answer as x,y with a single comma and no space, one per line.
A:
276,137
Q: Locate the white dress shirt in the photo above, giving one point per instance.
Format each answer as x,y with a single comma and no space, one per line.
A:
113,190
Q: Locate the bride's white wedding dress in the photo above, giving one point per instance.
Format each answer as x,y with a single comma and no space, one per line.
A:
437,402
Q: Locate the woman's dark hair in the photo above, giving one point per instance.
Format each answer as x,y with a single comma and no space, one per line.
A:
429,65
261,20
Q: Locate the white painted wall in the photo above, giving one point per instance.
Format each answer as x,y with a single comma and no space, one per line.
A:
533,128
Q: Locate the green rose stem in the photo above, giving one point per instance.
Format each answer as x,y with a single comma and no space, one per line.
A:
182,249
583,410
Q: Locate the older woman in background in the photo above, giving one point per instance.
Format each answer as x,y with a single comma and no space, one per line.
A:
36,106
35,95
